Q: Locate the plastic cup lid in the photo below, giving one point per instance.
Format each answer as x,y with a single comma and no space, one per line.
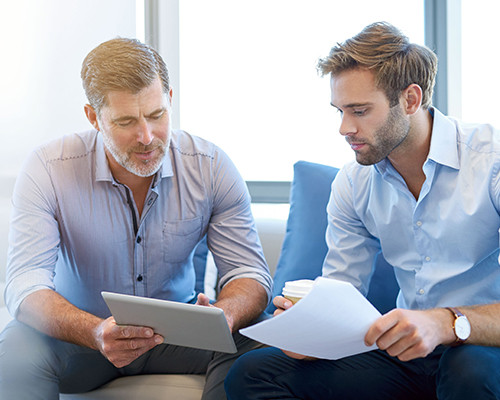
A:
298,288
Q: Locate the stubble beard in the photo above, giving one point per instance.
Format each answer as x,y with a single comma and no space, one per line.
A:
389,136
140,168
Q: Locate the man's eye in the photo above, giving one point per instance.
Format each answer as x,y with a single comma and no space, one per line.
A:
124,123
157,116
359,112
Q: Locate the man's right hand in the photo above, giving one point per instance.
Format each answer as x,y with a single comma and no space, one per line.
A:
122,344
282,304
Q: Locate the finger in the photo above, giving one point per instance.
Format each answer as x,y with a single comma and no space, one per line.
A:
124,345
203,300
277,312
130,332
418,350
380,327
282,302
291,354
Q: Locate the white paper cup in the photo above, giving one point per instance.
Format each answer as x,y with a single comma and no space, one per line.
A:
295,290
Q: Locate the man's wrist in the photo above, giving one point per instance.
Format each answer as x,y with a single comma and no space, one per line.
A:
461,326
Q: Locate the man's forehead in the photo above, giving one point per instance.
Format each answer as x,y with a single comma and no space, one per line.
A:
148,100
354,88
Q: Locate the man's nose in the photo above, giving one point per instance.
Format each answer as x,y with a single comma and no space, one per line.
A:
145,133
347,126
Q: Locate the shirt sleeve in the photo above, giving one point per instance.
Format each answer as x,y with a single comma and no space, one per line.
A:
351,248
232,235
33,235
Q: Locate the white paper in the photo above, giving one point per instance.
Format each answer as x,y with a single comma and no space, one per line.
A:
329,323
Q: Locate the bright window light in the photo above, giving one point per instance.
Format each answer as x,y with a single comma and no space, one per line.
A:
248,79
480,60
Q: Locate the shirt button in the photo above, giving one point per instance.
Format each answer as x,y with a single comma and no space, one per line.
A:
139,278
139,239
427,259
150,201
419,223
421,291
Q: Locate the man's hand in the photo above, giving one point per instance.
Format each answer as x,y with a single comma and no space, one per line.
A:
410,334
204,300
123,344
282,304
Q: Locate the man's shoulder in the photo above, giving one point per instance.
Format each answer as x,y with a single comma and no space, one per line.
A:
69,147
186,144
479,137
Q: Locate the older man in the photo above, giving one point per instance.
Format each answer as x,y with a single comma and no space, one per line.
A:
122,208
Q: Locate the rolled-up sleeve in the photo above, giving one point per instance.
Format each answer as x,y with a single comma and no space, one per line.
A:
33,236
232,235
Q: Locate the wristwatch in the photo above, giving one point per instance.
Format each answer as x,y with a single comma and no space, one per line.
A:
461,326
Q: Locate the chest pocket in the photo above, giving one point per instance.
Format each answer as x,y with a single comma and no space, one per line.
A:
179,238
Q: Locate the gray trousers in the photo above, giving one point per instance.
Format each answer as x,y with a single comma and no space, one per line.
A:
36,366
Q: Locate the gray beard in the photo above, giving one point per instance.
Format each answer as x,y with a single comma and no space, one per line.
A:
143,169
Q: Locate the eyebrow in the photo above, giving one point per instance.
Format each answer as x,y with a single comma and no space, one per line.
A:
352,105
131,117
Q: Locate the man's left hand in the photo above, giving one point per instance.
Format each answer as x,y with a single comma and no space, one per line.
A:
204,300
410,334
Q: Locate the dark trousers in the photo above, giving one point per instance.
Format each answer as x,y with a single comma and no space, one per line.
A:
35,366
465,372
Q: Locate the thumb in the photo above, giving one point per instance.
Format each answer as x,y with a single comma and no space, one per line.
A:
203,300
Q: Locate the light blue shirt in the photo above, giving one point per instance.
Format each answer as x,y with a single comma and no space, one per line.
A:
75,229
445,245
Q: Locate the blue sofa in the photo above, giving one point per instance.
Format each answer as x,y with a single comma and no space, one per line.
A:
304,246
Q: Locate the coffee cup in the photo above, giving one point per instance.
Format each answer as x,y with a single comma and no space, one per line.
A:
295,290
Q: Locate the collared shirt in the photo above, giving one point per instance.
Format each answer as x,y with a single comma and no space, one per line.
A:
445,245
76,230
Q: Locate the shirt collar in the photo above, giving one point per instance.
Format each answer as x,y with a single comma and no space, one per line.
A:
444,149
103,172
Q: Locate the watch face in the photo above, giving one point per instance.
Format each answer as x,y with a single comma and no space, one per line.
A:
462,328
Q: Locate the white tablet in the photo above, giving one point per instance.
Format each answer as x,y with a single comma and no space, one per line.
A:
181,324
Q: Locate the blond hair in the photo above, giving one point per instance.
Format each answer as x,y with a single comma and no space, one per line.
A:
395,61
121,64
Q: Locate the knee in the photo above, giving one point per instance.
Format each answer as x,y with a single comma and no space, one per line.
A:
468,372
240,372
251,371
22,351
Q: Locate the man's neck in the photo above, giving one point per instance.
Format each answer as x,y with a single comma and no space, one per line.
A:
409,159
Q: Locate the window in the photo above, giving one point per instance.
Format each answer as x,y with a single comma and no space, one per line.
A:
42,52
248,79
480,58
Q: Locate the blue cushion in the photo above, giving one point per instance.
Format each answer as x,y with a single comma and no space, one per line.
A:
304,246
200,264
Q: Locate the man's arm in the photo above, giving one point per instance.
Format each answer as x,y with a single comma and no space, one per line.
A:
242,300
409,334
234,242
48,312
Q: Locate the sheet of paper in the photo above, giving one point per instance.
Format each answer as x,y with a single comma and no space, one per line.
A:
329,323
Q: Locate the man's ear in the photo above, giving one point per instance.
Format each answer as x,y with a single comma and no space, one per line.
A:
412,98
91,116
